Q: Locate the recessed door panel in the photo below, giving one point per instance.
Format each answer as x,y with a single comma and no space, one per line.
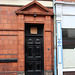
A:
38,51
38,66
30,51
30,66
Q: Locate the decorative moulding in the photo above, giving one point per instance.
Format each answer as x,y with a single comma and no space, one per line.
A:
34,8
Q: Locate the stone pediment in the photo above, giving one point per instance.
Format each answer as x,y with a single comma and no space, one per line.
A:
34,8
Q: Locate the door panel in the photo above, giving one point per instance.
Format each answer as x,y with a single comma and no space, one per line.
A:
38,51
38,66
30,51
30,66
34,63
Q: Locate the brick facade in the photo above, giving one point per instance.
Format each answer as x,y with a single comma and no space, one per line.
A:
12,37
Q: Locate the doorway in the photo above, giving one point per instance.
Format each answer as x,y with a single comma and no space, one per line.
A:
34,52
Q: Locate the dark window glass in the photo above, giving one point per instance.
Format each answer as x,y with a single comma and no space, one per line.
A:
68,36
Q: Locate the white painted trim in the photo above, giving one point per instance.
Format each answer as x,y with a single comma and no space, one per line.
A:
68,14
60,70
23,2
59,31
59,48
59,53
65,3
64,70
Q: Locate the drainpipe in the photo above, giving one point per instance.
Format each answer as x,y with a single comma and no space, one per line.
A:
55,62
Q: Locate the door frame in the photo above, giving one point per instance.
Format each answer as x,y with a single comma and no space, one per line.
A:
47,29
37,24
40,15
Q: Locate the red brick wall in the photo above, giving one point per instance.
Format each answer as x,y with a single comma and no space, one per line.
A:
12,39
48,43
8,39
69,0
59,0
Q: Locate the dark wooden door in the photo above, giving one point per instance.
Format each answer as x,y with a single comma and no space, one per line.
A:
34,52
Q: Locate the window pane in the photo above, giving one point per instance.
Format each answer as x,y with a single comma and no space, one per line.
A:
68,48
68,38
